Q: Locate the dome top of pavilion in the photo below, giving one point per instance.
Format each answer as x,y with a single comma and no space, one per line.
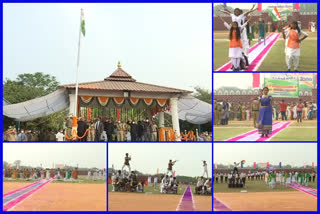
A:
120,75
120,80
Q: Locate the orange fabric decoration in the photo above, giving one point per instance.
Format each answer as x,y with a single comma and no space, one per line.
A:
134,100
148,101
161,102
118,100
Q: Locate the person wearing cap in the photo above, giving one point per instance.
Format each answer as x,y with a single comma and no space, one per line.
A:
255,111
69,125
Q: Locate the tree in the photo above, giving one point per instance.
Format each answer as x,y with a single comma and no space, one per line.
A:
5,165
203,95
29,86
17,163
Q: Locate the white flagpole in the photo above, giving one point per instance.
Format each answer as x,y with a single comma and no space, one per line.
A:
78,68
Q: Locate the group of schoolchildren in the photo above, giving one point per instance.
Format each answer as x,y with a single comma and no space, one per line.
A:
301,178
239,43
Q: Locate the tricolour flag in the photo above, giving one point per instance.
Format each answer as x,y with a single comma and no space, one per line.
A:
83,29
275,15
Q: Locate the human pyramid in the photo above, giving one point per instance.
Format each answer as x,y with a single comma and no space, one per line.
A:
128,181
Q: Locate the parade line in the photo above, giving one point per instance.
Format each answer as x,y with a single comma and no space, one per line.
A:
219,206
257,53
255,136
186,202
14,197
304,189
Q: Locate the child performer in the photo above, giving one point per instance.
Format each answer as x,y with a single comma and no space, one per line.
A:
293,34
235,45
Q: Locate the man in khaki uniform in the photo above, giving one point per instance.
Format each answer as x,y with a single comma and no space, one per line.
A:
154,132
219,113
69,126
255,111
120,130
215,112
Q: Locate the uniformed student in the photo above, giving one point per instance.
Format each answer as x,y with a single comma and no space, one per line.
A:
205,169
170,165
126,162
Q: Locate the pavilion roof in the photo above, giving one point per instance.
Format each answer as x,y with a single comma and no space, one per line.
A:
121,80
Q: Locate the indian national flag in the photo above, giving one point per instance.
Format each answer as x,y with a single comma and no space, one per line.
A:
275,14
83,29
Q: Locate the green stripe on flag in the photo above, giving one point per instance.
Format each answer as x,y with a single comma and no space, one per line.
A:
83,29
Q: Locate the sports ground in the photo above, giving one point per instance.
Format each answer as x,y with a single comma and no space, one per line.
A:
266,58
282,131
260,197
52,195
152,200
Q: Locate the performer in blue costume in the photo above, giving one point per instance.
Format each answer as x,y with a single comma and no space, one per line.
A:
265,113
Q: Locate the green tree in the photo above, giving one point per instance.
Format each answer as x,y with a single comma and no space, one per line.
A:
5,165
29,86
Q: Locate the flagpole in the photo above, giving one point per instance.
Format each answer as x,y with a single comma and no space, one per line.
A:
74,118
78,68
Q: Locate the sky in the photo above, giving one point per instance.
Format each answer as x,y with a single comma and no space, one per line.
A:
34,154
241,80
164,44
247,5
273,153
147,157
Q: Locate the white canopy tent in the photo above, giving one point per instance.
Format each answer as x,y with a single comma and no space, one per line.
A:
190,109
38,107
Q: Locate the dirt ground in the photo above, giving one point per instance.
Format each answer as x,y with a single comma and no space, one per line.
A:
148,202
268,201
63,197
10,186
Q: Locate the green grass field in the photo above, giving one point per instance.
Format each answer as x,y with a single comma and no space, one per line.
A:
255,186
305,131
275,60
151,190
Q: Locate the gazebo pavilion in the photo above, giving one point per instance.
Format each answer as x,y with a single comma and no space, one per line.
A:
121,97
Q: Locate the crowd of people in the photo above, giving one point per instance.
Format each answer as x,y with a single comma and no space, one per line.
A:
224,111
99,129
300,177
271,177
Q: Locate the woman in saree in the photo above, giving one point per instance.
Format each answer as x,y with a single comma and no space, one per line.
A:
265,113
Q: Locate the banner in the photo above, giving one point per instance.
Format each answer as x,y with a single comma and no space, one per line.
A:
254,165
280,165
312,165
305,165
255,80
283,10
267,164
286,86
259,7
216,166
